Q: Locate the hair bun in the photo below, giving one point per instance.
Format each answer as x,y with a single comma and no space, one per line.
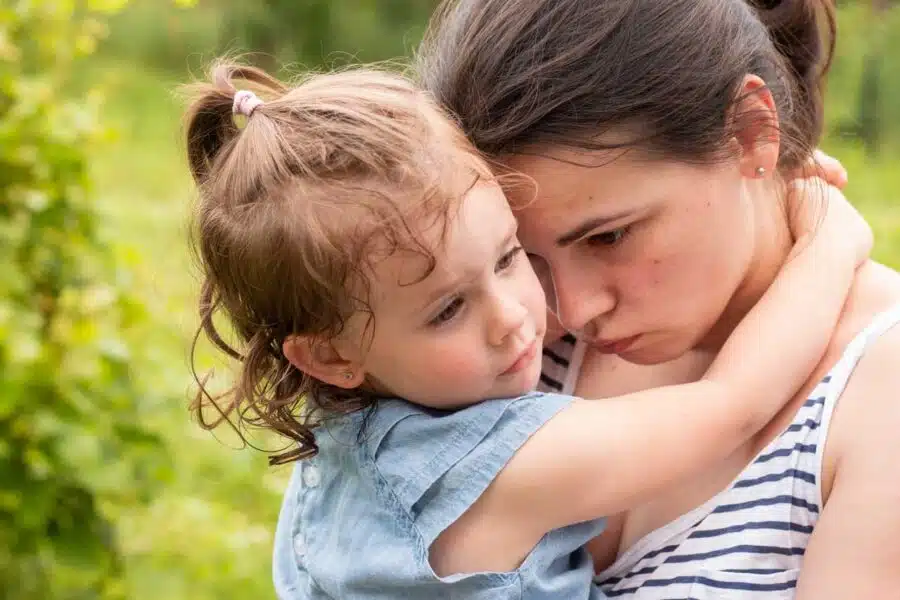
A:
803,32
796,28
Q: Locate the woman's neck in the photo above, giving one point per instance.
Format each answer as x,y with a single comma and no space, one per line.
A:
772,241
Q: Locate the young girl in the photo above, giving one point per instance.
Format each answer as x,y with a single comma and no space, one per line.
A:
390,326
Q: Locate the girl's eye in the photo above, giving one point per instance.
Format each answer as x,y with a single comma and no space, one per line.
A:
447,314
507,260
608,238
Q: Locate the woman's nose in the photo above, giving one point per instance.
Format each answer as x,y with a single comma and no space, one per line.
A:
580,302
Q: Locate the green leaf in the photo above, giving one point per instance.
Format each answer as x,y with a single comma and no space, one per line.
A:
107,6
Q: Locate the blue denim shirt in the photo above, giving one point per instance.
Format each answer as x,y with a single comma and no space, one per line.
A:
359,518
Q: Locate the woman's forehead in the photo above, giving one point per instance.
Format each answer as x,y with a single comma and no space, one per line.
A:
562,183
566,197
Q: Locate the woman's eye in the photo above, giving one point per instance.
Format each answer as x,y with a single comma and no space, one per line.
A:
608,238
507,260
450,311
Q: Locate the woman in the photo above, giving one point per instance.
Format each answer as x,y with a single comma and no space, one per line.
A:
658,135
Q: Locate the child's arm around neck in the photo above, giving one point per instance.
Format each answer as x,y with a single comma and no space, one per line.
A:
598,458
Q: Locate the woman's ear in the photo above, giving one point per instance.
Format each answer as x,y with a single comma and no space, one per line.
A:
755,125
320,359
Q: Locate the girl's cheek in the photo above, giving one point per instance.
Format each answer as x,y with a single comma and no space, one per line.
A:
454,365
454,359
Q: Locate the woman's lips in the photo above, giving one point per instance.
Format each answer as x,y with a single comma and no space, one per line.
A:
614,346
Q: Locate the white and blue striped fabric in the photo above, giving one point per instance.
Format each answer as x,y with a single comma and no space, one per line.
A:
748,541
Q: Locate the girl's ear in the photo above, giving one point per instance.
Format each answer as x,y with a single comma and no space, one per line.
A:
755,123
319,358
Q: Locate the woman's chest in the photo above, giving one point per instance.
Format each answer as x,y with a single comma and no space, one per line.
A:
680,500
731,532
748,539
771,473
791,435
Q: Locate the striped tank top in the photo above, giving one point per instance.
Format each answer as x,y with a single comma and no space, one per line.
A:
747,541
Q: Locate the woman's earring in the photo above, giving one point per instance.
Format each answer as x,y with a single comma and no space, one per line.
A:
760,171
348,375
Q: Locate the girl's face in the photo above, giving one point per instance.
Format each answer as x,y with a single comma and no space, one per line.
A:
471,329
644,256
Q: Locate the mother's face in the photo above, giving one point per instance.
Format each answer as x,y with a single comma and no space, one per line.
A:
644,256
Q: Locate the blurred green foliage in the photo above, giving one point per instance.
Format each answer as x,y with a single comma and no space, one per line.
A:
108,489
313,30
864,86
277,32
73,451
312,33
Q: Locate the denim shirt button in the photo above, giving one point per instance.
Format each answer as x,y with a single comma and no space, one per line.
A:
311,476
299,546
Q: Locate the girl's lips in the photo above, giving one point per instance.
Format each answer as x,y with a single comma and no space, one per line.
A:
523,360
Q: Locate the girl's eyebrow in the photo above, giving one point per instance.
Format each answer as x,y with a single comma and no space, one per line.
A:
458,282
586,227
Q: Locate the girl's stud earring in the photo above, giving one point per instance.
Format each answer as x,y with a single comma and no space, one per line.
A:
348,375
760,171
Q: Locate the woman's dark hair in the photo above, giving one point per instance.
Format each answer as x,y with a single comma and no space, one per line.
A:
518,73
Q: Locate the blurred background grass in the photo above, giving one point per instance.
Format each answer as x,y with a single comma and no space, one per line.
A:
206,530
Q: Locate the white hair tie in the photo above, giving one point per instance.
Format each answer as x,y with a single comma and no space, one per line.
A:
245,102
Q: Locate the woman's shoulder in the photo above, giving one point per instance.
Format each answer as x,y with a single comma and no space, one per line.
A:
876,290
869,336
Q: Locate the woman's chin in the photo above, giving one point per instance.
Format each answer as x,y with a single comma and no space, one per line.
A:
652,353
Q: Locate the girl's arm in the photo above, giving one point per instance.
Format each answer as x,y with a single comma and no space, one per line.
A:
597,458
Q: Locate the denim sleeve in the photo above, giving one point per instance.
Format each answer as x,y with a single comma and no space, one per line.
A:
358,519
285,575
439,464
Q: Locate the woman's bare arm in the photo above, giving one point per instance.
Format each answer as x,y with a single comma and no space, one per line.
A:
854,551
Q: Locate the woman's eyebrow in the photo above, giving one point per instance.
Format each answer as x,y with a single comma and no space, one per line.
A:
586,227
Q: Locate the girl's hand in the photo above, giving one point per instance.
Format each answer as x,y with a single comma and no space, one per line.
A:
818,209
824,167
